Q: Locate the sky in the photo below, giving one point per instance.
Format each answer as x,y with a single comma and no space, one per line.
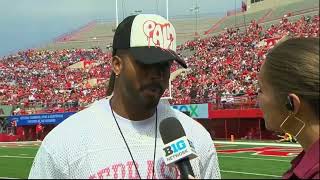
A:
30,23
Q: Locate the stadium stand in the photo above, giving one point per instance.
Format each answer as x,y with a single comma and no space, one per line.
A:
267,14
224,70
228,63
37,80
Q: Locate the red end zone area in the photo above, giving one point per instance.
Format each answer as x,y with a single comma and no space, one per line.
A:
263,151
258,148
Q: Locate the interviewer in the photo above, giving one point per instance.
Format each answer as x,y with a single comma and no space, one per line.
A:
289,99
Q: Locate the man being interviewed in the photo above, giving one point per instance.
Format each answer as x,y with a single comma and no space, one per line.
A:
119,138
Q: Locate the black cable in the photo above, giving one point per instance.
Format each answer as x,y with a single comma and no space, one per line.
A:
155,143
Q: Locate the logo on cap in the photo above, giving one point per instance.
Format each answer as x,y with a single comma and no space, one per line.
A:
159,35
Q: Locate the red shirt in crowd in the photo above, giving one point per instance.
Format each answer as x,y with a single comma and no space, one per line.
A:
305,165
20,131
38,128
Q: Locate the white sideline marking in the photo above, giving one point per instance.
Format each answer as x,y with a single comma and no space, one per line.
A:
264,159
228,145
20,142
24,147
22,157
8,178
258,144
256,174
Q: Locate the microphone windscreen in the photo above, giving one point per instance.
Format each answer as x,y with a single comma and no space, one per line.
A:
171,129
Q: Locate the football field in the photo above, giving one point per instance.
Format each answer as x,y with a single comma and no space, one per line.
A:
244,160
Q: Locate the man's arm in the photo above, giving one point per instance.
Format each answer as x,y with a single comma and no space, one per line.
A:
210,163
45,166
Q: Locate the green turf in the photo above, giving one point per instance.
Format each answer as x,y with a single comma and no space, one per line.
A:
249,166
239,165
16,167
256,166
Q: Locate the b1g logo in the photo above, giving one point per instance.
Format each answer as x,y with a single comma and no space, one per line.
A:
175,148
178,149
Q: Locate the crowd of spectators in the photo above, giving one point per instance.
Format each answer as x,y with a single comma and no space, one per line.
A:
41,79
3,125
223,68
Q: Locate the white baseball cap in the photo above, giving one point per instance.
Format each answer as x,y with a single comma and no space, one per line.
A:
150,39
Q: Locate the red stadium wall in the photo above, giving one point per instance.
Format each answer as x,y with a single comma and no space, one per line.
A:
240,128
8,138
240,120
241,111
26,133
30,132
235,113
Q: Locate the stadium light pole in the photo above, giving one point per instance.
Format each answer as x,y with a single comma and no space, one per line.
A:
167,6
196,10
245,24
235,14
117,17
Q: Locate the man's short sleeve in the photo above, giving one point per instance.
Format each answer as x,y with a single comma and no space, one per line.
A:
210,164
45,167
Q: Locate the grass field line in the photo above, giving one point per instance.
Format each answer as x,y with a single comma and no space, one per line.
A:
8,178
258,144
227,145
20,147
21,142
264,159
248,173
21,157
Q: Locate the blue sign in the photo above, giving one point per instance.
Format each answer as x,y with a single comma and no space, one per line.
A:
24,120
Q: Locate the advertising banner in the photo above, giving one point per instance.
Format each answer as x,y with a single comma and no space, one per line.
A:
197,111
55,118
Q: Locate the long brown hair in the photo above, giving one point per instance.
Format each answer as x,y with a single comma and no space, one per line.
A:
293,67
111,84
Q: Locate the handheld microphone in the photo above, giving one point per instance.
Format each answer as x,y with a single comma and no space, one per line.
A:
178,149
